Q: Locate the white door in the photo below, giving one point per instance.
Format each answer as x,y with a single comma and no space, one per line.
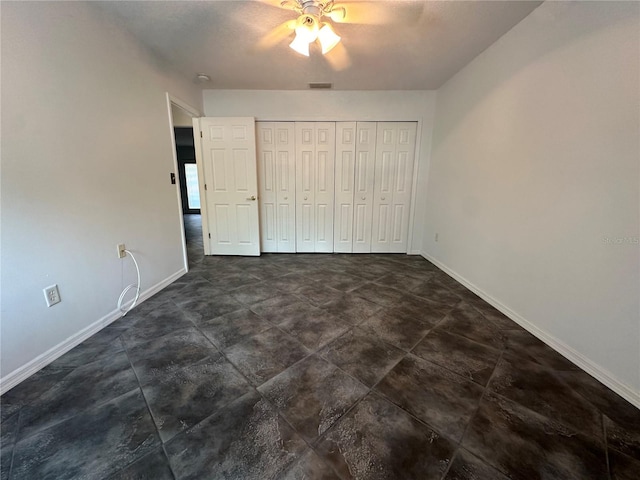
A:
344,181
276,186
315,155
228,152
395,150
363,186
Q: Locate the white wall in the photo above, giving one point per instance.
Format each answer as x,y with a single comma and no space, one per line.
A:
330,105
86,157
180,117
535,163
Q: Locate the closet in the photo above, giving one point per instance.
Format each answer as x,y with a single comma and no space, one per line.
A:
335,186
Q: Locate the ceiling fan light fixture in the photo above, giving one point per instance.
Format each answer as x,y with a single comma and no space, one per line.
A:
327,38
307,28
300,45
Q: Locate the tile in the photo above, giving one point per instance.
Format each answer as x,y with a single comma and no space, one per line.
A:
265,271
231,280
379,294
32,388
466,321
469,359
496,317
524,445
202,309
183,396
426,311
9,428
93,444
88,352
616,408
85,387
233,327
6,456
399,330
246,440
270,307
312,395
107,335
153,359
314,330
309,467
318,294
153,466
446,281
433,394
403,281
291,282
250,294
352,308
368,272
624,437
162,320
341,280
198,287
466,466
289,312
266,354
377,440
362,355
522,343
538,389
435,291
623,467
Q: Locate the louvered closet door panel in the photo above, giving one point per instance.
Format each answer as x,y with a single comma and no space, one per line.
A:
344,171
364,186
305,186
395,150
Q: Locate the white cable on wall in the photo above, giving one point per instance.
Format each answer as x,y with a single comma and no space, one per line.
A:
129,287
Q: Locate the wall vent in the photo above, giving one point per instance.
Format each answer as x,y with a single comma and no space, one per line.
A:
321,85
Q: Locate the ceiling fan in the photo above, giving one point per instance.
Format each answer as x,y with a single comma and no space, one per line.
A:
314,23
309,26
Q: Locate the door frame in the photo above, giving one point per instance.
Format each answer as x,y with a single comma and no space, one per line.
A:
193,113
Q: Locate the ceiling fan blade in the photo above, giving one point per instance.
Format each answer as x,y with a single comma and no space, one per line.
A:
403,12
276,35
338,58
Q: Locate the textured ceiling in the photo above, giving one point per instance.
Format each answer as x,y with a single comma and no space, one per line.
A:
393,45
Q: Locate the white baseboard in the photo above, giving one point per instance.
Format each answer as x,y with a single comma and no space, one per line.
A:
599,373
22,373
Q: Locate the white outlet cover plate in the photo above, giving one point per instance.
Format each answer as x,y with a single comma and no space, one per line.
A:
51,295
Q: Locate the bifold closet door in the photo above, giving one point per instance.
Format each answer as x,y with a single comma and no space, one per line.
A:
355,162
395,150
315,155
277,186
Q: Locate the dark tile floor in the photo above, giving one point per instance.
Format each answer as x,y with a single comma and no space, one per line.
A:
315,367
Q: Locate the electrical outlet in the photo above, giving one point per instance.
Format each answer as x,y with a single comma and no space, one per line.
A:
436,237
121,252
51,295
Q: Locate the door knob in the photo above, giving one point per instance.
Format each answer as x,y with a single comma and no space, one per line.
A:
364,198
286,198
252,198
305,198
383,199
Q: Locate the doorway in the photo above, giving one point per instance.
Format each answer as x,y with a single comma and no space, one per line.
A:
181,123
